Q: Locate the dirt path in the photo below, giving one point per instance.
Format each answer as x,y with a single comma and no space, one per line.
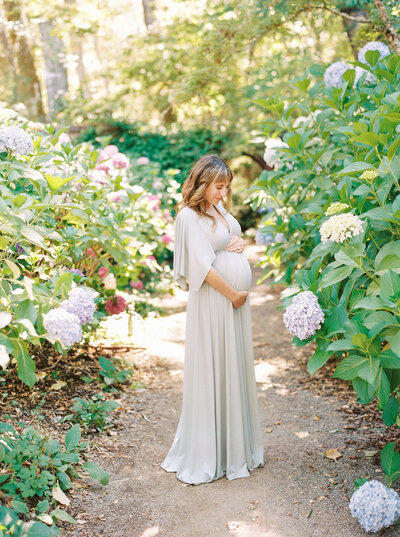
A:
298,492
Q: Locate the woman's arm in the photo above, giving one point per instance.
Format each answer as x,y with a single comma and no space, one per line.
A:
238,298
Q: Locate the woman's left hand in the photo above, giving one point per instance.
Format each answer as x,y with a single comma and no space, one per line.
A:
236,244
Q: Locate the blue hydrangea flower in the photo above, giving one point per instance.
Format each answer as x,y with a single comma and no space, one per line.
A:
77,272
63,325
375,505
304,316
333,74
15,140
80,302
373,45
263,238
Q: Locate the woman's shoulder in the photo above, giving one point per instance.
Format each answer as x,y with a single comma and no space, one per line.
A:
186,214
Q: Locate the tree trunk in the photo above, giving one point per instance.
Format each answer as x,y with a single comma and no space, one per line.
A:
390,33
56,73
351,26
148,14
27,82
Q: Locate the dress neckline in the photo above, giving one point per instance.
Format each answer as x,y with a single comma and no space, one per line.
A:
227,226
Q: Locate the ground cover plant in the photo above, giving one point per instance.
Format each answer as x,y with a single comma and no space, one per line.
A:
333,201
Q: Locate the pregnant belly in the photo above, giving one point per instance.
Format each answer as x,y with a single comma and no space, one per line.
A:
234,268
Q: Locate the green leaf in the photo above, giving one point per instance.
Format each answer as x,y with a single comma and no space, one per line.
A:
62,515
335,276
369,303
317,360
72,437
107,365
392,149
389,360
26,366
42,506
348,368
96,472
20,507
64,283
340,345
390,459
391,411
367,138
390,284
364,391
395,344
55,182
33,236
109,406
14,268
357,167
360,341
389,262
369,370
382,387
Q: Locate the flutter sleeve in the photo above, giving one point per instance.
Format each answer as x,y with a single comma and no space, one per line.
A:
193,252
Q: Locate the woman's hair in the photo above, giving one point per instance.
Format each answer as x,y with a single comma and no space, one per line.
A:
208,169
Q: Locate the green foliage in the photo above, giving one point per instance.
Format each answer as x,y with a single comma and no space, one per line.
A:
33,465
345,134
172,151
92,413
11,525
110,374
60,212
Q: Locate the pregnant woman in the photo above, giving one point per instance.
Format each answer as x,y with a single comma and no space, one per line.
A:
218,431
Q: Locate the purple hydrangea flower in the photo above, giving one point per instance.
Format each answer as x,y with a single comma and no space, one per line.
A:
80,302
15,140
373,45
263,238
304,316
77,272
63,325
18,248
375,505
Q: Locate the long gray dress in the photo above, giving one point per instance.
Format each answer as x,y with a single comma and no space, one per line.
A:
219,430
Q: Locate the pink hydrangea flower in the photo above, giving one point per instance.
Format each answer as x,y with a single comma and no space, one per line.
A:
143,160
104,166
103,271
63,138
119,160
91,253
166,239
109,151
154,201
137,285
115,305
151,258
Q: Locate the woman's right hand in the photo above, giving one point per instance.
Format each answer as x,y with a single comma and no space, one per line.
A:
239,299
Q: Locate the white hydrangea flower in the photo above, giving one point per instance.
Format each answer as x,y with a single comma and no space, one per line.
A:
373,45
336,207
304,316
4,357
369,79
333,74
109,281
16,140
375,505
63,325
80,302
340,227
263,238
270,155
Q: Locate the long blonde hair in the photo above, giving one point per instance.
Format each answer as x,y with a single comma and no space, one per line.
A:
208,169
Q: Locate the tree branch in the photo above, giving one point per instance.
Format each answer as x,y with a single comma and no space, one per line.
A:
260,161
390,32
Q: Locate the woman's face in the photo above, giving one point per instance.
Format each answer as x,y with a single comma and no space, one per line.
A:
215,192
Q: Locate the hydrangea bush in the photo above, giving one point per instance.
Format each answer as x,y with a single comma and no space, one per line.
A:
72,229
335,191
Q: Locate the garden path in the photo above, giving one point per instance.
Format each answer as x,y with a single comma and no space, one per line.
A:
298,492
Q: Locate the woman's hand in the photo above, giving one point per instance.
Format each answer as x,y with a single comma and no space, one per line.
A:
239,299
236,244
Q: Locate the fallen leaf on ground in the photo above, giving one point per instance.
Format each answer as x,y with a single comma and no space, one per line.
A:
333,454
232,525
316,418
59,496
278,423
58,385
302,434
268,430
370,453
